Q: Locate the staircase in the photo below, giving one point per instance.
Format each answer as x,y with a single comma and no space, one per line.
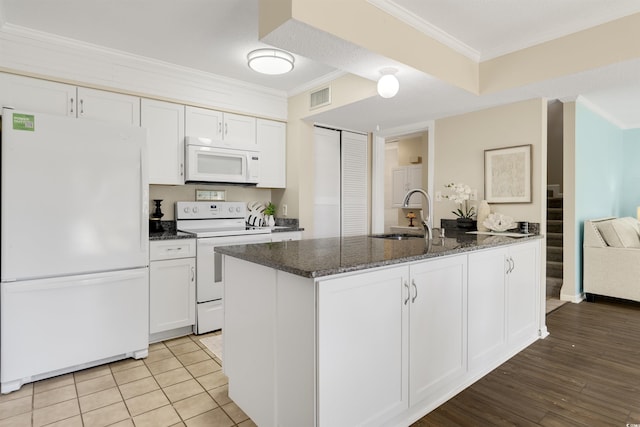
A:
554,245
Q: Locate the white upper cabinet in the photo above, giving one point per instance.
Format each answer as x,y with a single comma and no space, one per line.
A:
25,93
224,129
108,106
239,131
405,178
203,123
165,141
272,140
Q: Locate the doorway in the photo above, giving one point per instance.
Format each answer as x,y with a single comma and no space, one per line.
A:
383,214
405,168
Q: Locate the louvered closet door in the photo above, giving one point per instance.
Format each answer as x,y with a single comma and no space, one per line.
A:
354,184
326,198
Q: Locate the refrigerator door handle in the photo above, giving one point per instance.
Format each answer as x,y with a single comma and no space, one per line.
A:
144,201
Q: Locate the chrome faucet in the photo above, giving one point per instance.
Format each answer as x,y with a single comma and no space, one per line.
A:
426,220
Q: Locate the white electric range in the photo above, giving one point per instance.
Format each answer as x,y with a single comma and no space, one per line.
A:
214,224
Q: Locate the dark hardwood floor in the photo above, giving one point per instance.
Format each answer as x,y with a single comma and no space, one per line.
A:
585,373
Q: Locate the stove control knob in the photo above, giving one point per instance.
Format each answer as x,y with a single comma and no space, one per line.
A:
238,209
231,209
186,210
195,209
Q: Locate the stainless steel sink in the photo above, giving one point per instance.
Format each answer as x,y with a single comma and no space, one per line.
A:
397,236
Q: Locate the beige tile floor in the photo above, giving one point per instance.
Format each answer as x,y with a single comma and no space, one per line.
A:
180,383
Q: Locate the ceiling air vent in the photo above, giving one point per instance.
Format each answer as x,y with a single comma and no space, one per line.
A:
320,98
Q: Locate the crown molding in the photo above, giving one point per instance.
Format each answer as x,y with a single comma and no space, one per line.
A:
602,113
105,51
425,27
61,58
572,98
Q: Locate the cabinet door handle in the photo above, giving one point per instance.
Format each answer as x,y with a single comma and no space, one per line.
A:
71,105
82,106
181,169
413,282
508,265
406,285
226,128
219,127
193,274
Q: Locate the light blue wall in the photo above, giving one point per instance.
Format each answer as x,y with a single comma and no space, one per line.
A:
630,196
600,160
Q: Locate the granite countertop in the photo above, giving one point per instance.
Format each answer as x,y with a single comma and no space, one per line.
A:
170,232
170,235
285,229
324,257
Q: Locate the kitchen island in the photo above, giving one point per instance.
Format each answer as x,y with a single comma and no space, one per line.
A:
372,331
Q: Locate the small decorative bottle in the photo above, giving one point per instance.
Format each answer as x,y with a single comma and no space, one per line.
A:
155,226
483,212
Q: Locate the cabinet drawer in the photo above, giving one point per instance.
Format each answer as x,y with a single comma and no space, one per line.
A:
171,249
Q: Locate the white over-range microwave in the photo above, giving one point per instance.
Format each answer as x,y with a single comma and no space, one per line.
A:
207,162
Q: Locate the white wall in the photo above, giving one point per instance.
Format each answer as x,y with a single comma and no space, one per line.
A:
169,194
459,154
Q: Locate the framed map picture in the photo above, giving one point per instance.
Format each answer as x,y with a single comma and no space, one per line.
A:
507,175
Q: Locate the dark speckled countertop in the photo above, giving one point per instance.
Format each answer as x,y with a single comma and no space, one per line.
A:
170,233
324,257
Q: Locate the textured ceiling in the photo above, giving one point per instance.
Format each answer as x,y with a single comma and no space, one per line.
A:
215,36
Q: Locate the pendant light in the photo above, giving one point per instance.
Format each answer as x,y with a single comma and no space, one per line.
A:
388,84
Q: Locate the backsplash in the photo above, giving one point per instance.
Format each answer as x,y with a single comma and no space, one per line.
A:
169,194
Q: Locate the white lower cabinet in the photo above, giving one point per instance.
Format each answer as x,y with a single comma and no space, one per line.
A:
362,342
437,326
503,301
390,338
284,236
379,347
172,287
522,292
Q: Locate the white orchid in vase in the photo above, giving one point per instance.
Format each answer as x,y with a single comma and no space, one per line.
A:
460,194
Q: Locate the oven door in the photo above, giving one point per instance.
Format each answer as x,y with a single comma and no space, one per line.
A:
209,266
210,164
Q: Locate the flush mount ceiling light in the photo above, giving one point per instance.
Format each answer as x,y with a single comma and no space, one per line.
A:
388,84
270,61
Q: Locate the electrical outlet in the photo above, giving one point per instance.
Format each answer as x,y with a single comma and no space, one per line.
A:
438,196
284,210
473,195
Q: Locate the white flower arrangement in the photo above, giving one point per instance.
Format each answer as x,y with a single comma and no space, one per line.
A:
460,195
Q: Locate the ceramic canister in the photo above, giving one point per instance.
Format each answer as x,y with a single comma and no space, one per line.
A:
483,212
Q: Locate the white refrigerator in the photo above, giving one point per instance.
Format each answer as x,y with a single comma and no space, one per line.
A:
74,245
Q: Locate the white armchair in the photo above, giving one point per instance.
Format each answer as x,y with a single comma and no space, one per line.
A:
611,254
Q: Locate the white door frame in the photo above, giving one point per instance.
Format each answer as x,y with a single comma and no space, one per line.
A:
377,167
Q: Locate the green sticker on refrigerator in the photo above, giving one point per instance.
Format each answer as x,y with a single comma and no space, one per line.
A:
24,122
